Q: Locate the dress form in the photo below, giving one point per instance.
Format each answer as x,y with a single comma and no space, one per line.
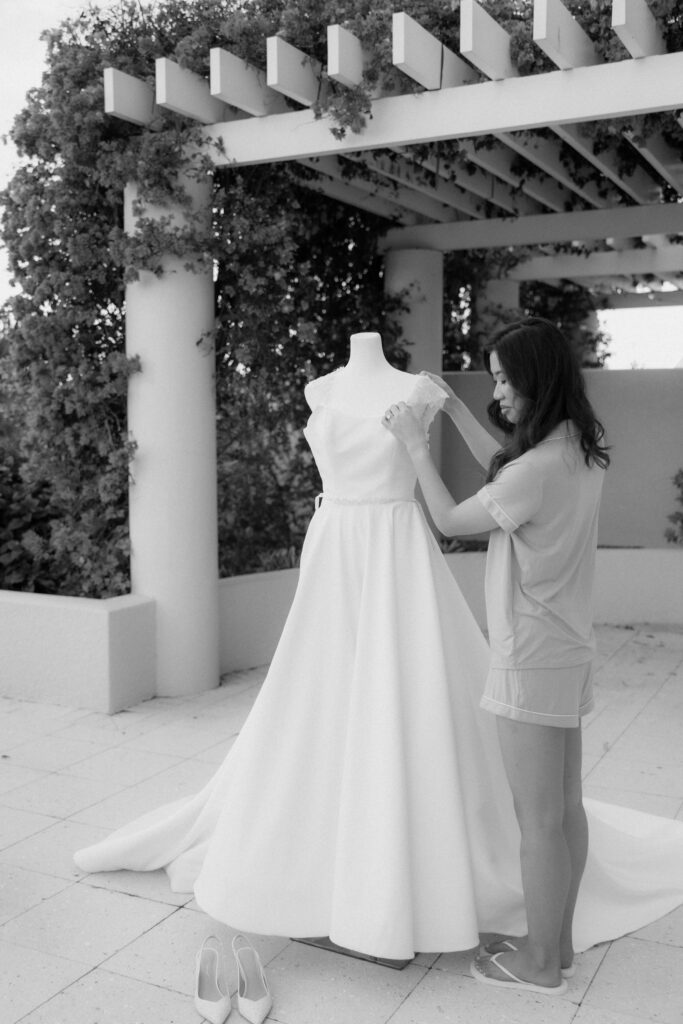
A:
368,384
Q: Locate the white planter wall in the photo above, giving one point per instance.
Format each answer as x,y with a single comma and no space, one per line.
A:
76,651
632,586
101,654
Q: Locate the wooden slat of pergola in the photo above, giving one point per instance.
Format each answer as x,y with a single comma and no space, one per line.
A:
251,114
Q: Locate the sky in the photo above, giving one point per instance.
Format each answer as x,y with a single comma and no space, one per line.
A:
645,338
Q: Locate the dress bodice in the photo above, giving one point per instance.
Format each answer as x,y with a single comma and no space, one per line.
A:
357,457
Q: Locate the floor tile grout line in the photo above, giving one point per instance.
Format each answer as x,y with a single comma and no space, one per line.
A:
55,995
654,942
101,963
608,946
636,716
427,970
63,771
43,899
55,821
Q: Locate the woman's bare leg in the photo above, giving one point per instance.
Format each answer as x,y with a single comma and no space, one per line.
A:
534,758
575,827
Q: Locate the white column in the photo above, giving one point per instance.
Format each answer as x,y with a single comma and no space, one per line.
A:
420,272
493,304
171,417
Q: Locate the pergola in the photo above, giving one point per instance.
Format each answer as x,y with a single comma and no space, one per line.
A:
628,227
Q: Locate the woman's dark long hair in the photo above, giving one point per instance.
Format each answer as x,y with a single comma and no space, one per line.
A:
544,369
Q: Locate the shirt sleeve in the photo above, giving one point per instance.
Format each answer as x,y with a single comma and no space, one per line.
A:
514,497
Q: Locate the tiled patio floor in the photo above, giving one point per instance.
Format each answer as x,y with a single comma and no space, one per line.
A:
119,948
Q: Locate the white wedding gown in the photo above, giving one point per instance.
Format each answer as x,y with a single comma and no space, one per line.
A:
365,797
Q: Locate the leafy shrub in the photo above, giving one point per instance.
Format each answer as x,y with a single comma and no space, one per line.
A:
674,534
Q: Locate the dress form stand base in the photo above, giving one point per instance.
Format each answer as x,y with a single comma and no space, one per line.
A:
325,943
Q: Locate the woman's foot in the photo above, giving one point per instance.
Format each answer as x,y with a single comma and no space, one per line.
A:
513,944
493,971
516,966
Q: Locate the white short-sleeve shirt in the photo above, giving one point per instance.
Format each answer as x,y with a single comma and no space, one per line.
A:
541,561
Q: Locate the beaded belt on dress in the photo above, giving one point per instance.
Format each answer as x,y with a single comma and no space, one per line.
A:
359,501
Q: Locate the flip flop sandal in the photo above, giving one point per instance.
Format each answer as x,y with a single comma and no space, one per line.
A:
515,982
566,972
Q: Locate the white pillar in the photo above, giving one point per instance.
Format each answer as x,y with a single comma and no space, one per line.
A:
420,271
173,501
498,298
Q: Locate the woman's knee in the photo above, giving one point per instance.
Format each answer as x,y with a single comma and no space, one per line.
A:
542,815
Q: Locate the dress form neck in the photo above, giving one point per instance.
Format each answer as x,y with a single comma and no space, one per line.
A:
368,383
366,355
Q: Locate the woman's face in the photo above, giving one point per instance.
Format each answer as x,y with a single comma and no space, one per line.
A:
511,403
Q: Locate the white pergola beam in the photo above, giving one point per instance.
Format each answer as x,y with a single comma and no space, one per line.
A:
593,93
638,185
478,184
584,225
415,51
234,81
637,27
605,284
657,241
557,32
334,183
496,192
455,71
660,155
497,160
578,51
459,197
434,200
484,42
549,193
186,93
601,264
545,153
345,59
292,72
422,57
640,300
127,97
561,37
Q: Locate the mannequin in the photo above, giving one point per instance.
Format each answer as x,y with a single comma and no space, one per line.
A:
368,384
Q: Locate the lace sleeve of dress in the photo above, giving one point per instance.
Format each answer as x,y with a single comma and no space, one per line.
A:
426,400
317,391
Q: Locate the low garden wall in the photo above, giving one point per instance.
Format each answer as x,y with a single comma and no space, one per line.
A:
100,655
76,651
632,586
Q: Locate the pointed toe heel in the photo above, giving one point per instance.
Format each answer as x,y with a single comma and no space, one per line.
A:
253,994
211,991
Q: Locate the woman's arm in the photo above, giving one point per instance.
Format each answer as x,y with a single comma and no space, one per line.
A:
451,519
482,444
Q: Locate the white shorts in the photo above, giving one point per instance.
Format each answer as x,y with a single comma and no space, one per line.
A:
544,696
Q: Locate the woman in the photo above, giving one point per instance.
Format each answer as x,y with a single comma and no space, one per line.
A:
540,504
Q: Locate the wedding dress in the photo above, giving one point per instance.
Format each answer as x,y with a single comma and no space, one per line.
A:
365,797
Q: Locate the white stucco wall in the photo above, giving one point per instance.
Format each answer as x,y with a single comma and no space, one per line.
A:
77,652
642,411
632,586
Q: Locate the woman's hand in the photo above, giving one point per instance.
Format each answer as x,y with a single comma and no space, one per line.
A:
401,421
449,518
435,379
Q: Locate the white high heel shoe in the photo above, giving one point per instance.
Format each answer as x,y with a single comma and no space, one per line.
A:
211,991
253,994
